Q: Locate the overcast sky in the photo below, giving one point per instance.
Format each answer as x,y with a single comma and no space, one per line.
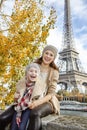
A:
79,24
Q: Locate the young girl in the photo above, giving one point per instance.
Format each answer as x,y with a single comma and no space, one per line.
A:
23,97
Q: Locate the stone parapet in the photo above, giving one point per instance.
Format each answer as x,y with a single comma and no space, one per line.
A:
64,122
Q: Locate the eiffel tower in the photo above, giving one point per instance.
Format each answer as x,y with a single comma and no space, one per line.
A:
71,70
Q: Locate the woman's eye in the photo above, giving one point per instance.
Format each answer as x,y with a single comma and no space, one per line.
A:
51,55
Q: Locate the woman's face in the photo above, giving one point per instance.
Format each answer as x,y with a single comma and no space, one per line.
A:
48,57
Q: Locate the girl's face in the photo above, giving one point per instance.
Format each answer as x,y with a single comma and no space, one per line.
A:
32,74
48,57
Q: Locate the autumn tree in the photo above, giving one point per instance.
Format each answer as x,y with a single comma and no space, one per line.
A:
22,40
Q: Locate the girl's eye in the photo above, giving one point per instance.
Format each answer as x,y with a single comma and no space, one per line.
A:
30,71
35,71
46,53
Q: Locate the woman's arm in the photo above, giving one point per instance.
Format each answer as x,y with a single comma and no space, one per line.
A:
40,101
53,81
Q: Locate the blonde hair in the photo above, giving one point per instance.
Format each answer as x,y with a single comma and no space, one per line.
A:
35,65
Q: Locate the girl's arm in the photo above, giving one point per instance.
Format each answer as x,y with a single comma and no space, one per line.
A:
16,96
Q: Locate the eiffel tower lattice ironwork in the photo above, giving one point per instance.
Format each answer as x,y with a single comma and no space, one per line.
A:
71,70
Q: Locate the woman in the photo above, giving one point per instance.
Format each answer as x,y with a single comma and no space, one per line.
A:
44,101
48,102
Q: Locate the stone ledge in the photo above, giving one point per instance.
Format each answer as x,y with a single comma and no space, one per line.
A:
64,122
49,118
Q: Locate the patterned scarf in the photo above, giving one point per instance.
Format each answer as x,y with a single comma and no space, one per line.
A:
23,104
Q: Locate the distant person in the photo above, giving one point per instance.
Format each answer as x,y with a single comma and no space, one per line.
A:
23,97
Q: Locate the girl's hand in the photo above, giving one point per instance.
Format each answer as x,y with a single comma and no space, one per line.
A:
18,120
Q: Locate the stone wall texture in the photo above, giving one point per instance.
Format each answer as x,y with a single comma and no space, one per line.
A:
64,122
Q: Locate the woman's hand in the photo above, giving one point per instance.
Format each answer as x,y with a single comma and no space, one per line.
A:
33,104
38,102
